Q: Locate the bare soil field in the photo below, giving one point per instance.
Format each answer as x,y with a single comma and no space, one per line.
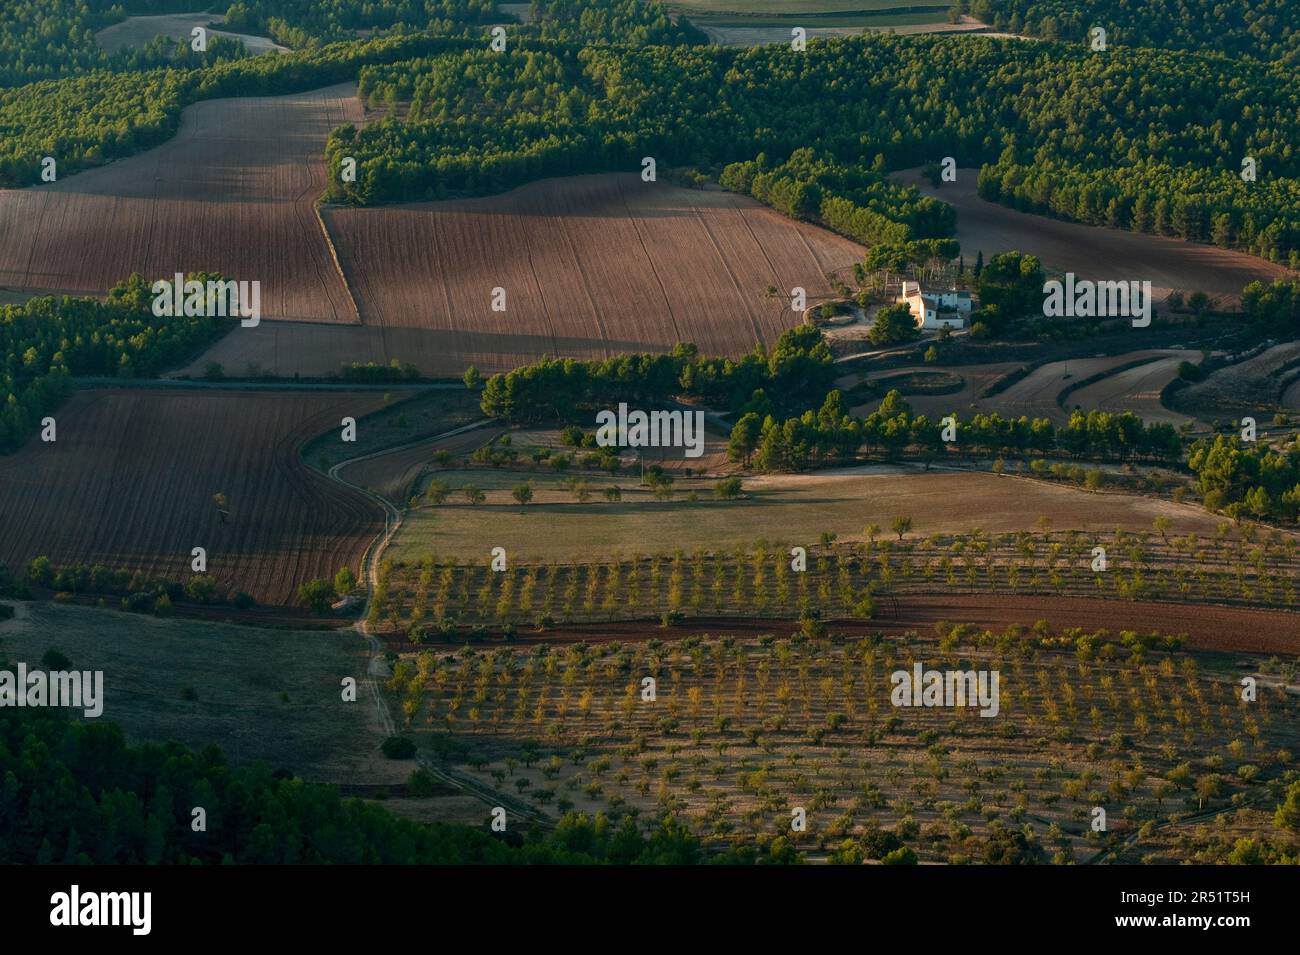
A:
789,508
138,31
258,694
1137,390
1035,395
232,192
1249,386
592,266
131,479
1093,252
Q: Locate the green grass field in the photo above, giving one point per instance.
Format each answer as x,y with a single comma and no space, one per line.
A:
264,695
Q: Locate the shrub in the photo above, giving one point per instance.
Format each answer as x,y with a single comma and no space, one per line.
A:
398,747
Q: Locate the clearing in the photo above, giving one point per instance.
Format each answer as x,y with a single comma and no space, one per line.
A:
138,31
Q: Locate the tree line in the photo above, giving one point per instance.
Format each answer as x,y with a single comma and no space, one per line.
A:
47,341
832,435
796,372
1248,481
1170,127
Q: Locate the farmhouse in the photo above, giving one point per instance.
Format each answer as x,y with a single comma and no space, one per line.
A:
936,309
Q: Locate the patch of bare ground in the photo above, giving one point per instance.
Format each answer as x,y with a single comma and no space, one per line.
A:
975,378
1249,386
1093,252
393,474
1135,389
593,266
1266,632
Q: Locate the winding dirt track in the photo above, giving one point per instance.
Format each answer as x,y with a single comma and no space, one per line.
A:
130,480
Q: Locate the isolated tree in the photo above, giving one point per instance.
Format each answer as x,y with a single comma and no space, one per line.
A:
901,525
344,581
728,489
744,438
223,506
437,491
317,594
472,378
1288,811
893,325
613,493
523,493
473,494
1162,525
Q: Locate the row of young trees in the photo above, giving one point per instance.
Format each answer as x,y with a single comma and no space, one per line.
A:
47,341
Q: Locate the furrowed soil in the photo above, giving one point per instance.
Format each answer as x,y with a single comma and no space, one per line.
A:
130,483
1137,390
593,266
1093,252
233,192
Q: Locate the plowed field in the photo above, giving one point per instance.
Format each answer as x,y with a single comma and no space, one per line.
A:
131,478
592,266
233,192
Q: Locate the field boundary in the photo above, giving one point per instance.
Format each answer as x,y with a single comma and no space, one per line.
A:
338,265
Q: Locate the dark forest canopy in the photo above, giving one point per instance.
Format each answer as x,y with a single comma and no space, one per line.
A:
1264,28
1098,137
45,39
